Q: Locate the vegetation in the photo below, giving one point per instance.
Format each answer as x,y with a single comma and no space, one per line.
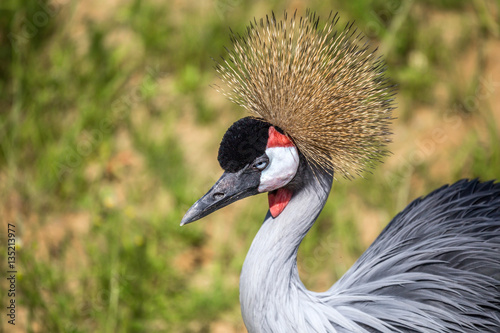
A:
109,131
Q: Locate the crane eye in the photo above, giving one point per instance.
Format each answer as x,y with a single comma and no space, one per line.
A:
260,165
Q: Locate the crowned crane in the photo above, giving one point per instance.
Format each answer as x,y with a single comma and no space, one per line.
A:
321,106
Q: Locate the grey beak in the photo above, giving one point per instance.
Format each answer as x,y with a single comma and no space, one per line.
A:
229,188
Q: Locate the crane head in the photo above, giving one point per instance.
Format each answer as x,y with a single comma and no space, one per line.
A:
311,88
256,157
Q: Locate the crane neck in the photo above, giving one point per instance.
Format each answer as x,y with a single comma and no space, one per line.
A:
270,282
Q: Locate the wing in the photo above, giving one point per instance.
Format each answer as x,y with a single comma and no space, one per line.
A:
434,268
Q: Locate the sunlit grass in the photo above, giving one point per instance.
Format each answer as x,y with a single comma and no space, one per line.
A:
96,171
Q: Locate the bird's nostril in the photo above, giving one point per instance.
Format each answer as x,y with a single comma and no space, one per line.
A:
218,195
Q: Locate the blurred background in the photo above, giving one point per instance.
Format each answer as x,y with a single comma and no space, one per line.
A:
109,131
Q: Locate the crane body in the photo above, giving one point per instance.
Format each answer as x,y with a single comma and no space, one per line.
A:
321,107
434,268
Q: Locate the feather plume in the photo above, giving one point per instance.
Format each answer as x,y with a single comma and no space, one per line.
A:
323,87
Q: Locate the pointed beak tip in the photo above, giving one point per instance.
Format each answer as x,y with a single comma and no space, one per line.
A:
192,214
187,219
184,222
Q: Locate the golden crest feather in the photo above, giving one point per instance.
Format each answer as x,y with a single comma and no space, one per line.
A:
324,88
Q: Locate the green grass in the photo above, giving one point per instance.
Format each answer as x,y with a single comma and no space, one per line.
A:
96,168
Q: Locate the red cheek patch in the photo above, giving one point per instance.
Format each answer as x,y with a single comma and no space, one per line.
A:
276,139
278,200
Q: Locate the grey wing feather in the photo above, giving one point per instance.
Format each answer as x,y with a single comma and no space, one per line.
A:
434,268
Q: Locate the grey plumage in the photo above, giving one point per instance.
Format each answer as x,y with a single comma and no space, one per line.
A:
439,260
435,268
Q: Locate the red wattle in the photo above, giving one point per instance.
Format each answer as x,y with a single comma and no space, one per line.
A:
276,139
278,200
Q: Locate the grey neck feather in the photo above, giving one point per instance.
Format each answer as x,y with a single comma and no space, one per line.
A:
442,295
273,299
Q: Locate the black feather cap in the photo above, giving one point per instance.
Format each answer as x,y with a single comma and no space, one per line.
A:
243,142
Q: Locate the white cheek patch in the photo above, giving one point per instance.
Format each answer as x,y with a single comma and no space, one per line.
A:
283,165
